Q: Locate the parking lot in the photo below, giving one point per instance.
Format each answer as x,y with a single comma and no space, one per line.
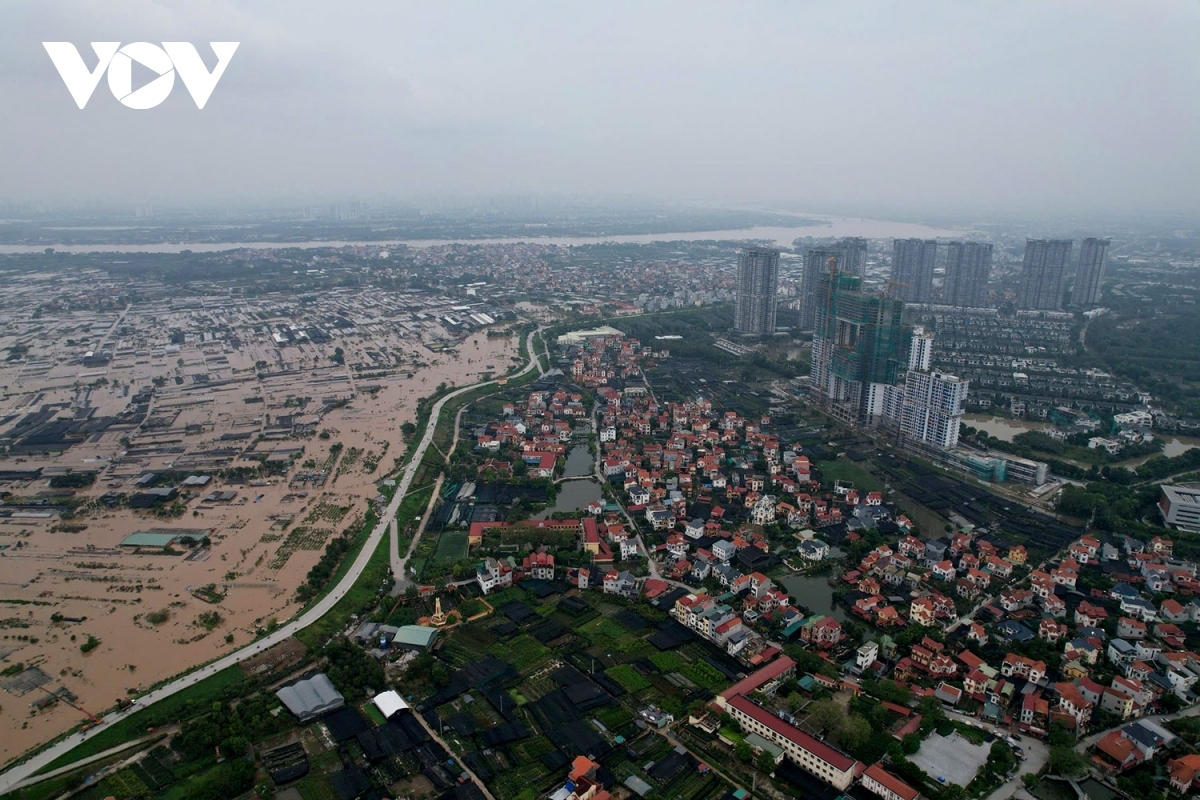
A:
953,758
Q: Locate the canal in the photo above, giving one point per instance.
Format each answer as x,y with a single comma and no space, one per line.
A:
580,462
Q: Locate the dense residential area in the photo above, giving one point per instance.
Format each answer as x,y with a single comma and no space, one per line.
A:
962,661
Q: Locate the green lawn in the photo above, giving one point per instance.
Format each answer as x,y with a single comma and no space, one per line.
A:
843,469
452,546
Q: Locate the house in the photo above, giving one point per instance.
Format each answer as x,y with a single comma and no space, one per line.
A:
867,654
1051,630
539,565
1173,611
1022,667
813,550
1089,615
1121,653
1184,773
620,583
1118,752
1072,703
1014,631
493,574
723,550
1129,628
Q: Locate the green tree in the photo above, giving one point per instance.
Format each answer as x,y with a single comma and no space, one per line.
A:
854,732
911,743
744,752
766,762
1031,780
1065,761
825,715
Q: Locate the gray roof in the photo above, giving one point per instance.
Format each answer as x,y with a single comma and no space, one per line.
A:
311,698
415,636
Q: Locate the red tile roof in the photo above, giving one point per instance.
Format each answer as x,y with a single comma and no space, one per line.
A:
894,784
756,679
835,758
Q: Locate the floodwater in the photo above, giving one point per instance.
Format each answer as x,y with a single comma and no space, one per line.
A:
580,462
814,593
1005,429
783,236
1002,427
573,496
1172,446
55,573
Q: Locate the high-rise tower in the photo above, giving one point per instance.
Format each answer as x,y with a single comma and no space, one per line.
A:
912,269
968,267
1093,253
852,256
1042,274
816,264
757,289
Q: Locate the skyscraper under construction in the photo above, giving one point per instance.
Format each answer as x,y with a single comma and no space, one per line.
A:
858,348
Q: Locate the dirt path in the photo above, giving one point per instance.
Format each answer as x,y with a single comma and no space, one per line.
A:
457,760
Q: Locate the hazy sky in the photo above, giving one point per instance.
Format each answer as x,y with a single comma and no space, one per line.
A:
1025,107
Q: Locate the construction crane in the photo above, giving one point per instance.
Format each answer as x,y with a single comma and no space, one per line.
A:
62,694
891,285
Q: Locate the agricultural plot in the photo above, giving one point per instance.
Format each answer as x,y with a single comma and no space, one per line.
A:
523,652
301,537
451,546
629,678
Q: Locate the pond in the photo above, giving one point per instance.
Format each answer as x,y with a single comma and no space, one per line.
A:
580,462
814,594
573,496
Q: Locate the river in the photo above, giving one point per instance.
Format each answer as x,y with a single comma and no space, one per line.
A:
782,236
814,594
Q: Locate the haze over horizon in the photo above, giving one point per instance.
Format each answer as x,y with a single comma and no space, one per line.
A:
1068,108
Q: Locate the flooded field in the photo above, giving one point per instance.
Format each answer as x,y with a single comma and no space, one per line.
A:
103,620
1003,427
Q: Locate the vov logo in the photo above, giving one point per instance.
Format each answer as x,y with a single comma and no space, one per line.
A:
164,61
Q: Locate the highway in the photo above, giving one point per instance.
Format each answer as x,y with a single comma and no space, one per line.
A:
17,774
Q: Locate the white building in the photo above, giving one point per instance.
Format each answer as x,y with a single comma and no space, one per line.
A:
920,355
1180,507
933,408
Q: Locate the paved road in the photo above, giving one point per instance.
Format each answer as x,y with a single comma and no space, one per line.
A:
13,776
